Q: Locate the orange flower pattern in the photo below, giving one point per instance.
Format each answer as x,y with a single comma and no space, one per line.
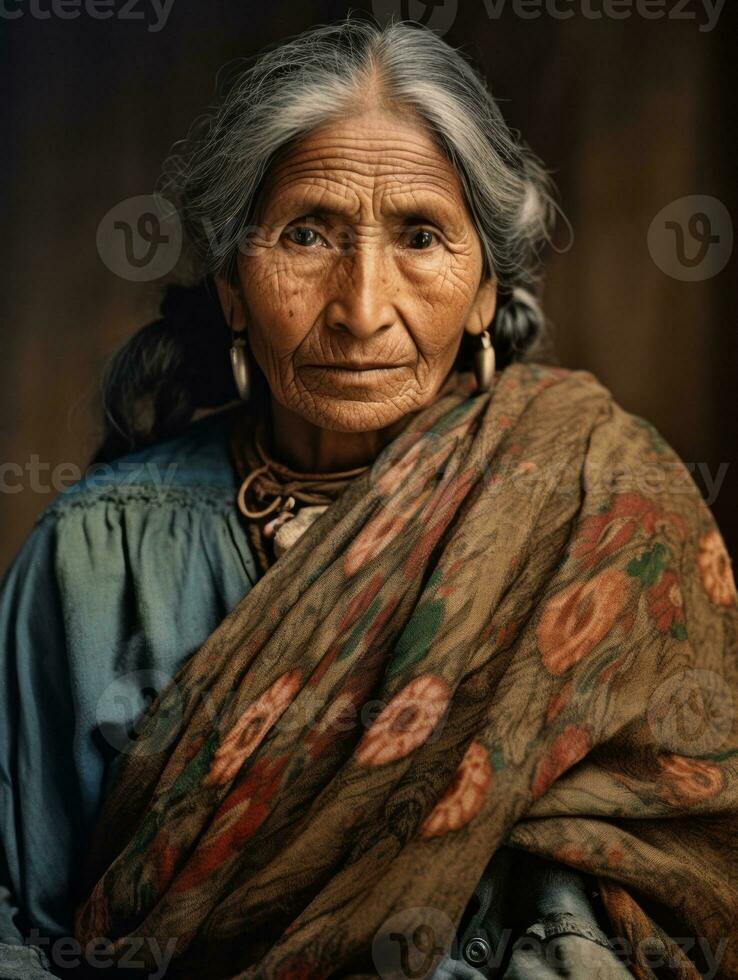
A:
576,619
567,748
251,728
716,569
666,602
406,722
464,798
687,782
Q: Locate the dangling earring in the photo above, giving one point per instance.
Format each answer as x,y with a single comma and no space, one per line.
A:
484,360
240,365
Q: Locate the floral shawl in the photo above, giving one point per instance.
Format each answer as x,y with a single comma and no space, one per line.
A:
518,626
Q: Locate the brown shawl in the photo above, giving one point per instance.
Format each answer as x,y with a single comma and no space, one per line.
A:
519,625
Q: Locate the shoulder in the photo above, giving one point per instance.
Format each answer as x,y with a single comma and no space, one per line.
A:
549,382
139,555
577,437
559,393
161,512
192,468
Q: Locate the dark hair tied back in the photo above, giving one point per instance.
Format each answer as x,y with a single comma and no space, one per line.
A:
517,326
167,370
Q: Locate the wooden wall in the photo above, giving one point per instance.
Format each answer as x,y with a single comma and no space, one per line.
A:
629,115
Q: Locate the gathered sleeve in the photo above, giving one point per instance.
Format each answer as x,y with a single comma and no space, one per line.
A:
38,786
108,596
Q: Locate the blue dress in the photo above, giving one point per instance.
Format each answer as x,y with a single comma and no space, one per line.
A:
123,576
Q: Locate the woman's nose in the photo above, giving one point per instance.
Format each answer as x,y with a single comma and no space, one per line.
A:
362,292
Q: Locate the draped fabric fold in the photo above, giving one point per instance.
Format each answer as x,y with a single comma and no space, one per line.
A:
518,626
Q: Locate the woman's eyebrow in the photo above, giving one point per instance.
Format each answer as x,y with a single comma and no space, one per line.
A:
321,214
419,215
326,207
417,207
414,215
322,205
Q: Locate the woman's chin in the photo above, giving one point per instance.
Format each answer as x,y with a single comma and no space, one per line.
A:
356,401
342,413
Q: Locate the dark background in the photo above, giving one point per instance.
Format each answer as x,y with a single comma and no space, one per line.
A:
629,115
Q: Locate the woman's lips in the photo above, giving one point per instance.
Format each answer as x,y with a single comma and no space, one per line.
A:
363,369
371,366
363,374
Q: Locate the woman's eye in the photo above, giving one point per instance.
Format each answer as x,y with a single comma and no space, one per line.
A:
304,235
421,238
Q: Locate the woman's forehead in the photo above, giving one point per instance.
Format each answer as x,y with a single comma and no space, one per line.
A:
375,134
336,166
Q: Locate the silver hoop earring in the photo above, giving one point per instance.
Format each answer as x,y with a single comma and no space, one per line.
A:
240,366
484,361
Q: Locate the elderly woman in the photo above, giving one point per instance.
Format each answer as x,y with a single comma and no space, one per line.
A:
369,656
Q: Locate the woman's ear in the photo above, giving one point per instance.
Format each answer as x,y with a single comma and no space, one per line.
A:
483,308
231,304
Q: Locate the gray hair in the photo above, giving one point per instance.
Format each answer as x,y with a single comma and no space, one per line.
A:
178,364
325,73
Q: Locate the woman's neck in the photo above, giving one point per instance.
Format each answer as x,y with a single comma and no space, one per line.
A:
308,448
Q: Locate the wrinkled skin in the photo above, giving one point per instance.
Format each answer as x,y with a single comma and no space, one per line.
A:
363,249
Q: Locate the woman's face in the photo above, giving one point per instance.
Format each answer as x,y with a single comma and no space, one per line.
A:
364,253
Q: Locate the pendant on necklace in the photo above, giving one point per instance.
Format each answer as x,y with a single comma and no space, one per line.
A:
288,534
285,514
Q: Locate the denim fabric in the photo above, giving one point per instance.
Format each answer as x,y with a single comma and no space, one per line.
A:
122,577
